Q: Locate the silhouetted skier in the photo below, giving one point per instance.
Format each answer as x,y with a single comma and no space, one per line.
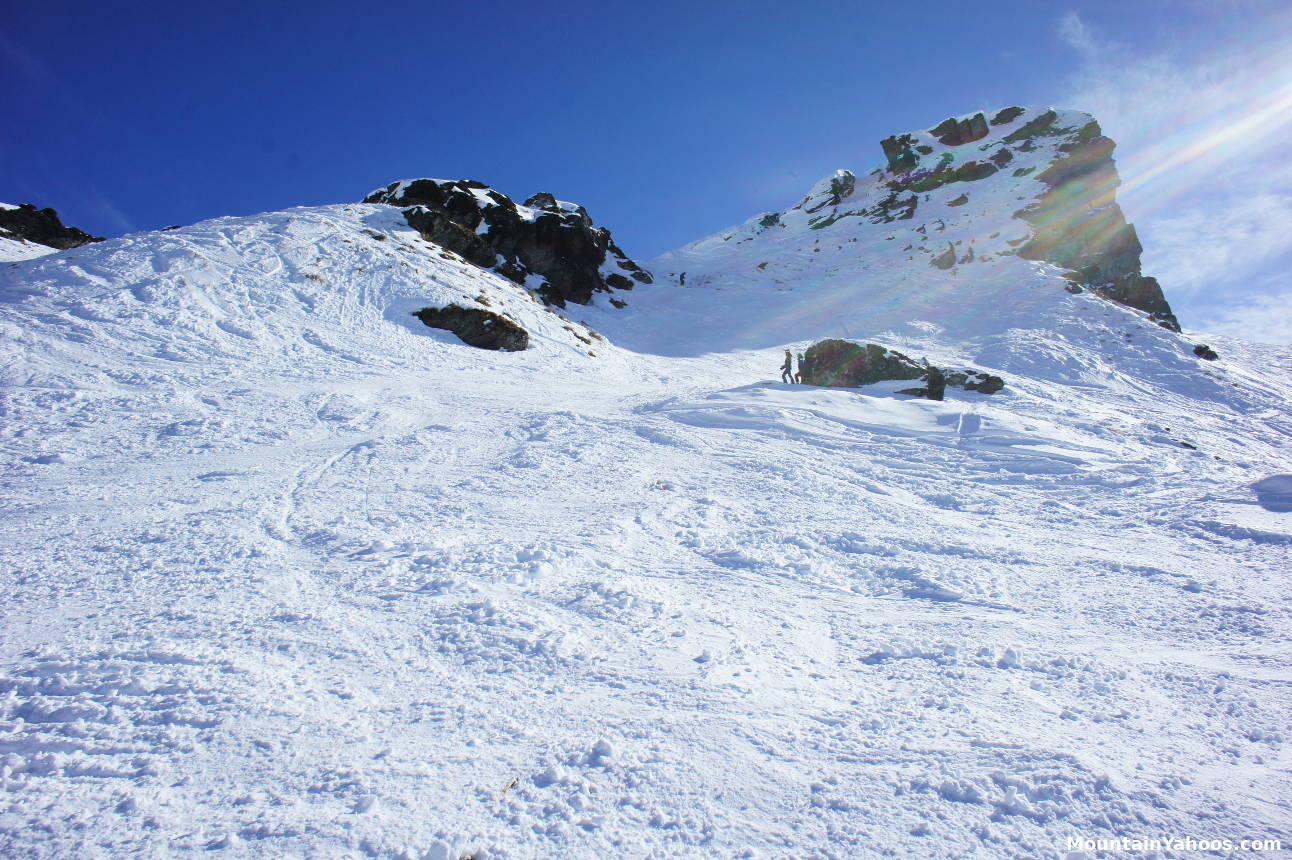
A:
798,377
787,369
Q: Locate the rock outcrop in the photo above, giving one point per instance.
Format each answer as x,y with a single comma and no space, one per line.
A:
830,191
836,363
1076,221
41,226
477,327
957,132
1079,226
547,245
846,364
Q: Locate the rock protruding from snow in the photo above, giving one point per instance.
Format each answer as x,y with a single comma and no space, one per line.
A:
42,226
830,191
957,132
846,364
546,244
477,327
836,363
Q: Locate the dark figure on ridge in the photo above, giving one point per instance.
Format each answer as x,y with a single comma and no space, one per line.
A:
787,369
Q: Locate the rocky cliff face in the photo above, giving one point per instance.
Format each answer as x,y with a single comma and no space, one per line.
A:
547,245
1075,220
41,226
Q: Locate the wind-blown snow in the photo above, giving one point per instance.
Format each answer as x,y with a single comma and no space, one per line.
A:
288,573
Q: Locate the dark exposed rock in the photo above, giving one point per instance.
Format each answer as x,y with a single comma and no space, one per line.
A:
555,241
984,383
1084,135
959,201
925,179
1079,226
477,327
41,226
1206,352
946,259
841,186
844,364
890,208
838,363
897,149
1037,127
1007,115
1143,293
1001,157
946,128
937,381
440,227
972,171
543,200
954,132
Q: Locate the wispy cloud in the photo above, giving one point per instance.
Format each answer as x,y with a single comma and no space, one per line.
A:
1075,32
1263,318
1201,151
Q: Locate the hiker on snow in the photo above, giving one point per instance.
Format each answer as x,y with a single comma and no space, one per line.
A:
787,371
798,377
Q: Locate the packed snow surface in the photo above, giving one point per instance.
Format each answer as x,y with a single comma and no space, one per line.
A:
287,573
21,249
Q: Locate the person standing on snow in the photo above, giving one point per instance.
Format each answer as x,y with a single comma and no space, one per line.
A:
798,377
787,369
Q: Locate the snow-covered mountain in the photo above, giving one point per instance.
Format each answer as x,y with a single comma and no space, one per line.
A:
289,573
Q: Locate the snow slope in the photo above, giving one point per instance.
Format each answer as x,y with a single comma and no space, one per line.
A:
20,249
289,574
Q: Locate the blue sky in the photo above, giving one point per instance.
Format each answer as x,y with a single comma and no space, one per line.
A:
669,121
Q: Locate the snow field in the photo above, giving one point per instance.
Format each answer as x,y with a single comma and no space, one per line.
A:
287,575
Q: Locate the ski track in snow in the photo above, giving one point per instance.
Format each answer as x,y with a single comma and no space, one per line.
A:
285,577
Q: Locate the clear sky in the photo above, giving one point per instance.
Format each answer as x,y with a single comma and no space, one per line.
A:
668,120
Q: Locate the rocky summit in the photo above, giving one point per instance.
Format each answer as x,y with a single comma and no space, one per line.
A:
1076,221
547,245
